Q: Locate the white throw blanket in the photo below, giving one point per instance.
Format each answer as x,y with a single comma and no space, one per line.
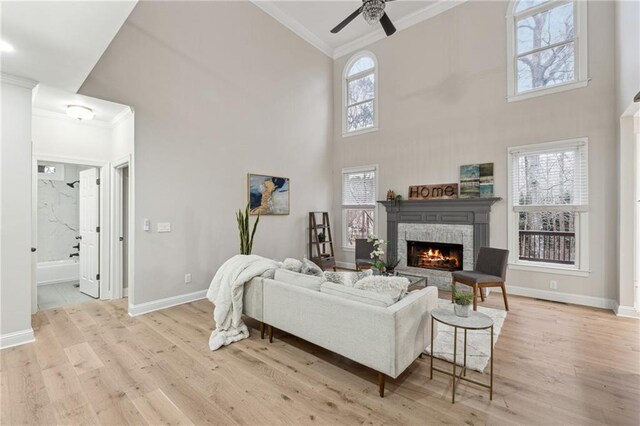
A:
226,291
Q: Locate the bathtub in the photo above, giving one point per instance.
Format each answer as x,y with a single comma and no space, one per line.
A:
57,271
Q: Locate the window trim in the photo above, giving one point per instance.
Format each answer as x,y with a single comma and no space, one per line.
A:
344,207
345,82
581,268
580,53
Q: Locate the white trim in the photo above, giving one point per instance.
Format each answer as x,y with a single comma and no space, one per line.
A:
39,112
346,265
581,51
626,311
156,305
582,218
554,296
17,338
294,25
403,23
117,284
27,83
121,116
345,83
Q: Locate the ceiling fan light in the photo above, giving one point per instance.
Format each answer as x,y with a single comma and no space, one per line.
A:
80,112
372,10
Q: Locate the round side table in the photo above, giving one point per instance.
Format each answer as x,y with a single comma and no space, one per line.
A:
475,321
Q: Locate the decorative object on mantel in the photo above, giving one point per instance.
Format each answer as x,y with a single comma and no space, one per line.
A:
425,192
246,237
391,195
398,199
476,180
462,302
323,255
268,195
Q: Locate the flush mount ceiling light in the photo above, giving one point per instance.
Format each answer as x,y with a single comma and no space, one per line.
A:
80,112
5,47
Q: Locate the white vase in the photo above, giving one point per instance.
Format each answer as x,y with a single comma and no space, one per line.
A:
461,310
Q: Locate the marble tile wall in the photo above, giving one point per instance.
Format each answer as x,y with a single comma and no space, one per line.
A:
435,233
58,213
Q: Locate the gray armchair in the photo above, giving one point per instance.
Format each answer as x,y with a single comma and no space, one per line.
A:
363,254
491,271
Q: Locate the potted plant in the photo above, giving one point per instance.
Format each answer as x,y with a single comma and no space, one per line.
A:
376,254
462,301
321,237
246,233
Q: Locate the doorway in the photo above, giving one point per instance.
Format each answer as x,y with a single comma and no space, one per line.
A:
122,216
68,234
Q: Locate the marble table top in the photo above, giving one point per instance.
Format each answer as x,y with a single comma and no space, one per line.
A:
474,321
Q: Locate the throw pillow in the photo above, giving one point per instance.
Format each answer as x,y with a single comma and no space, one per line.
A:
347,278
294,278
396,287
292,264
357,295
310,268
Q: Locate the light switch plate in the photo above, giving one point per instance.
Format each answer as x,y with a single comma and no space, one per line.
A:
164,227
146,225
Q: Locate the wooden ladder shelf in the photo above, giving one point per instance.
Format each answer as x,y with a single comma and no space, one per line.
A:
322,257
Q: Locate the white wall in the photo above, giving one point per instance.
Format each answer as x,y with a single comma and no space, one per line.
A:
213,103
627,47
443,104
15,221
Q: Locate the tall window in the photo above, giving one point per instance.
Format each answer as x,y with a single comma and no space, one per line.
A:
547,45
359,189
360,110
549,201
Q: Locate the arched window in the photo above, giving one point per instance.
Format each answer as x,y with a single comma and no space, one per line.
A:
547,47
360,89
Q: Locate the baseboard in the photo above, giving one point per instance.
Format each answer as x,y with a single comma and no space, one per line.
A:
346,265
62,280
156,305
554,296
626,311
16,338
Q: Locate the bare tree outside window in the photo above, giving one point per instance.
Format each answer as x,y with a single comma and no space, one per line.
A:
360,95
545,45
358,204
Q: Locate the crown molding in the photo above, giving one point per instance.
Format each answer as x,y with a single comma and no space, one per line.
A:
400,24
295,26
45,113
121,116
18,81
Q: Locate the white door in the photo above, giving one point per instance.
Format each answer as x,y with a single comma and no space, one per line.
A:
89,233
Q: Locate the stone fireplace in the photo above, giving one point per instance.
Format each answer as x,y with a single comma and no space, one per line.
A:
432,238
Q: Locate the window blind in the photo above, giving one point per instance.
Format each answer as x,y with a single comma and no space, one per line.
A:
550,179
359,188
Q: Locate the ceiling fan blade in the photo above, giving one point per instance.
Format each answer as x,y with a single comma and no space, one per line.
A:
348,19
387,26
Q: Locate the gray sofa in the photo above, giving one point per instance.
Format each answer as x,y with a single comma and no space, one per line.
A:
386,339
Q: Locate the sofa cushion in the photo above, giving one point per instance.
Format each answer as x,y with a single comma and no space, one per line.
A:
357,295
347,278
310,268
307,281
394,287
292,264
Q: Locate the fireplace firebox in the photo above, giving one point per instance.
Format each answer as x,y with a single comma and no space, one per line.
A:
440,256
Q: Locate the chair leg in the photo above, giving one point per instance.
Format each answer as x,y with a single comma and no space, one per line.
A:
504,297
261,330
270,334
475,297
381,377
481,293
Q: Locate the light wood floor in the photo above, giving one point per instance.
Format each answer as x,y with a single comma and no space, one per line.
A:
92,363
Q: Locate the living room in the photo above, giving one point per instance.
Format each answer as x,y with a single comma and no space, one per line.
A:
220,92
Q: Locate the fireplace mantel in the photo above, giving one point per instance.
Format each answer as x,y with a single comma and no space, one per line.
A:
457,211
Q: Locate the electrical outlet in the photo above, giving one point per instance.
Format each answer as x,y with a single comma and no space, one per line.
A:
187,278
553,285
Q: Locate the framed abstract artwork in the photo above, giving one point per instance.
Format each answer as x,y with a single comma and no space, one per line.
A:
476,180
268,195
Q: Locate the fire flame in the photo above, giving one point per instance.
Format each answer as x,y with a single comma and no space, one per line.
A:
435,256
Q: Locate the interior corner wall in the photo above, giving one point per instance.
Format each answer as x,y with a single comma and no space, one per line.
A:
442,104
213,103
15,220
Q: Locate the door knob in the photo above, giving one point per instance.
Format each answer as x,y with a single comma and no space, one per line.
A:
79,237
33,249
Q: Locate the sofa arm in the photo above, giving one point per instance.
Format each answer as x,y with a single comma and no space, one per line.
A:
413,326
252,305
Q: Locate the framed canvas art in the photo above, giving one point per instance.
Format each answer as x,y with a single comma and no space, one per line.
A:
268,195
476,180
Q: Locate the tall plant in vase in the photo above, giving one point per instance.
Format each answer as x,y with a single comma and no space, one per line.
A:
246,235
378,251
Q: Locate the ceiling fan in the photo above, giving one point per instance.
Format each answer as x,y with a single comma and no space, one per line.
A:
373,12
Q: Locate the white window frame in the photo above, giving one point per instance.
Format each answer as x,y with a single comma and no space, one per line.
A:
345,88
344,207
580,50
581,267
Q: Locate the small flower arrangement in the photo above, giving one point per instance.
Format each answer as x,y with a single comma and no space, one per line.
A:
378,251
